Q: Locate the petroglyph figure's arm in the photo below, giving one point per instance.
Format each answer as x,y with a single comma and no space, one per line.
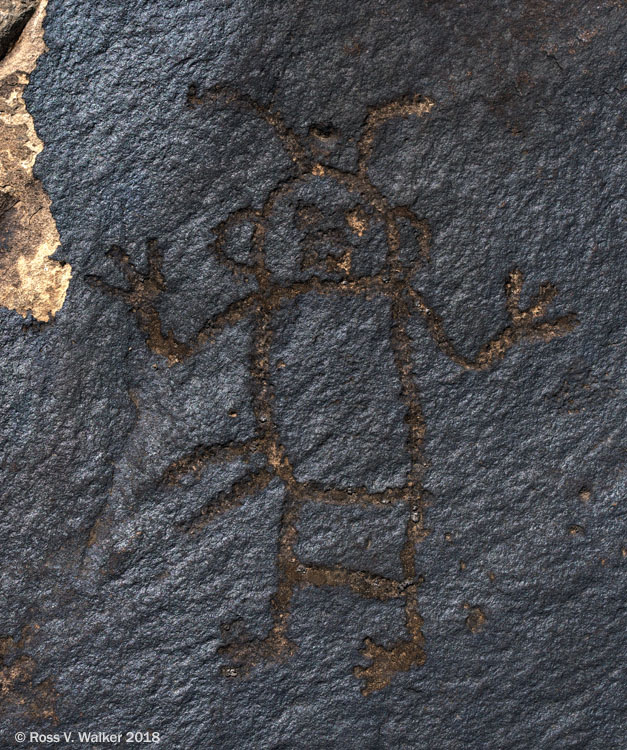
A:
141,297
529,324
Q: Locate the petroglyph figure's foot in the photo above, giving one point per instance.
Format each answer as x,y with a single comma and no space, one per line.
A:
386,662
245,652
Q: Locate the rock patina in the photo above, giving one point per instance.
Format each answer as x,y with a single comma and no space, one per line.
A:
313,376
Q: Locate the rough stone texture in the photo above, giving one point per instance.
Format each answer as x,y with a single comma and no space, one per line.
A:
119,572
14,15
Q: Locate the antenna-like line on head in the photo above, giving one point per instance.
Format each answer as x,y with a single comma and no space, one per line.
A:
406,106
225,95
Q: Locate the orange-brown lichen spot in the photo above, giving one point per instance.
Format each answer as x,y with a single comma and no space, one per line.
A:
30,281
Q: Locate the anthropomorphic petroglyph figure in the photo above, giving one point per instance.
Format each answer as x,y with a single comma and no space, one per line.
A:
308,244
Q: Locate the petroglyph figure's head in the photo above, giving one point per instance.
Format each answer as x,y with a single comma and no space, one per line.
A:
323,222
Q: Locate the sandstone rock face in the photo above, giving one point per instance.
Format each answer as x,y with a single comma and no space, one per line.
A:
31,282
315,435
14,15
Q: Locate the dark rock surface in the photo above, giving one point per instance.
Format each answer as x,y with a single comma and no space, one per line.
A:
129,541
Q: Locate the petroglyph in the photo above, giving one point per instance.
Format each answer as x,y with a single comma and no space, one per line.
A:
327,238
30,281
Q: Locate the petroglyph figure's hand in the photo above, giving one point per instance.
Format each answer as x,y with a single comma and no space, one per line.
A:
531,316
141,296
529,323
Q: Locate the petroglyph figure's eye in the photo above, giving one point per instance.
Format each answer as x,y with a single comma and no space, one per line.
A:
308,215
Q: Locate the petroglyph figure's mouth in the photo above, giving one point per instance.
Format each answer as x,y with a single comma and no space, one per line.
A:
30,281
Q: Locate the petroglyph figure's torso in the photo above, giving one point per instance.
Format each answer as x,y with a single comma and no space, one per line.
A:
337,391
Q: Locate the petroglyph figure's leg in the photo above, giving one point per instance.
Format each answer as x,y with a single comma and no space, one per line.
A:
400,657
528,324
405,653
244,651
